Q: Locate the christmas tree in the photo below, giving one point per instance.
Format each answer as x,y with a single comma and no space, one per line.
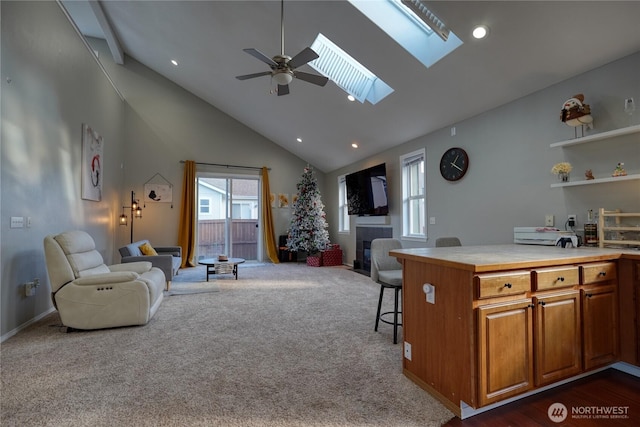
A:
308,230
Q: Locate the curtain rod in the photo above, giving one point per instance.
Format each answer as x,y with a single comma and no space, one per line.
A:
228,166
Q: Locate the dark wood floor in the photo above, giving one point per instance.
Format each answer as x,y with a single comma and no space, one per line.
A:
603,391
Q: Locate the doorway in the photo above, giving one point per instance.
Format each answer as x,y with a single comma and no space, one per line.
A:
228,216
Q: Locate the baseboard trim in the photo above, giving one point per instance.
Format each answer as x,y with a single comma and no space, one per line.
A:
26,324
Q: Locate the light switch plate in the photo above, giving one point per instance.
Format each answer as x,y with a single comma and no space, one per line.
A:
548,220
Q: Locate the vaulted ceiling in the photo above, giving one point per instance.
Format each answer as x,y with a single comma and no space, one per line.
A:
531,45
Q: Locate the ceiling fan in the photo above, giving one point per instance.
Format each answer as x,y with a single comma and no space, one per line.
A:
283,67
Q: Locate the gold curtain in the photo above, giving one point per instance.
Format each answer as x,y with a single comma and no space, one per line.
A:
267,219
187,226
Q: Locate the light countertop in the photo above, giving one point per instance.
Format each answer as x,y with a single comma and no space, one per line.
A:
506,257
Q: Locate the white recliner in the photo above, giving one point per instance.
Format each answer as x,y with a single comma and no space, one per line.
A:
91,295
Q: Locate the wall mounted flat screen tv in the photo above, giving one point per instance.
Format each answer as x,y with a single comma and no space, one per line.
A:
367,191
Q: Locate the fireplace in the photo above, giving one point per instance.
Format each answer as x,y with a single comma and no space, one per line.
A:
364,236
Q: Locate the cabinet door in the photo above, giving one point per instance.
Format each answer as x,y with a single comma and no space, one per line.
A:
505,350
557,336
600,323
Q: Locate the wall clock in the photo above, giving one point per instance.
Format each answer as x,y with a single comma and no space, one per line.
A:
454,164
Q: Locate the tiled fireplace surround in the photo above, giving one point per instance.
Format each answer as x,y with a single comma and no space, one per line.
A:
364,236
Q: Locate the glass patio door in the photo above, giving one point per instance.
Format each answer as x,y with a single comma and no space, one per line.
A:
228,209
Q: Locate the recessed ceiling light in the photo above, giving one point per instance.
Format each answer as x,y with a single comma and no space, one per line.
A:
354,145
174,62
351,98
299,139
480,32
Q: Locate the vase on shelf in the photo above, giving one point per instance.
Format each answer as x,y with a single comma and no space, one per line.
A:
563,176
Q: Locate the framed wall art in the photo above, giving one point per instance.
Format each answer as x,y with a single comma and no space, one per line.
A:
158,189
92,149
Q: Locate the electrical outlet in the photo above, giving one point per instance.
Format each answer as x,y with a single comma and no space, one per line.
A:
548,220
407,350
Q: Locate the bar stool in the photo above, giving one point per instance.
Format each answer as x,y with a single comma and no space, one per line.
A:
387,271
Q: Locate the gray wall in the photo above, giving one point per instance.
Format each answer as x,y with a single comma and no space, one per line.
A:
56,85
51,85
166,124
508,181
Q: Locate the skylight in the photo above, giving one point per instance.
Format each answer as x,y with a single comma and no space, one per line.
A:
410,23
351,76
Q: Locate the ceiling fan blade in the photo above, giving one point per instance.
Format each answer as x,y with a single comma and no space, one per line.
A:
311,78
261,56
254,75
283,90
303,57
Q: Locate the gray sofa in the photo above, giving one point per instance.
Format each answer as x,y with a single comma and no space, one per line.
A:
169,258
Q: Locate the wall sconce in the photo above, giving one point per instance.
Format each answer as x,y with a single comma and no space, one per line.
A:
136,212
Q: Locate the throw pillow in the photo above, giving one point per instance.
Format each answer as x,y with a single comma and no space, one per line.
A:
147,249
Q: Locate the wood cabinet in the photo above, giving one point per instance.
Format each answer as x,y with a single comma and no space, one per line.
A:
600,325
500,329
600,313
558,340
505,350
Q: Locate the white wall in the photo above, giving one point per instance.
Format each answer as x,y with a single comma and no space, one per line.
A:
508,182
51,85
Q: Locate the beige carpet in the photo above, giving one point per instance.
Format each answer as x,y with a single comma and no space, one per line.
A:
285,345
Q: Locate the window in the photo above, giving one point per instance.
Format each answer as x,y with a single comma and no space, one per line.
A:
343,211
346,72
413,195
410,23
205,206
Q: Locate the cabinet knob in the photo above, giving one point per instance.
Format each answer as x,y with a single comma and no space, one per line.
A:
507,285
542,303
602,273
531,306
588,295
560,279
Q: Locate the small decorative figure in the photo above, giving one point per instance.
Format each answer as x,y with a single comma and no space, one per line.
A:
576,113
619,170
589,175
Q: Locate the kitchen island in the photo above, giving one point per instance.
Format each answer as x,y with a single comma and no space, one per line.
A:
486,324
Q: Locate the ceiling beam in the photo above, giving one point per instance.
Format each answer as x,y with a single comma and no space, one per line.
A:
109,35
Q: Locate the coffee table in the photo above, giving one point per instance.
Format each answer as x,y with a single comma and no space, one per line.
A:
215,266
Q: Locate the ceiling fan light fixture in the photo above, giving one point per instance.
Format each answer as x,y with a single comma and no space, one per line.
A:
283,77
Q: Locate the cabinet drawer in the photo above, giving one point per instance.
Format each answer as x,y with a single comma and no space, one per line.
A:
556,277
598,272
500,284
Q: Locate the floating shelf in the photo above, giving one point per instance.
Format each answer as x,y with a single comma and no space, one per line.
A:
597,136
596,181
